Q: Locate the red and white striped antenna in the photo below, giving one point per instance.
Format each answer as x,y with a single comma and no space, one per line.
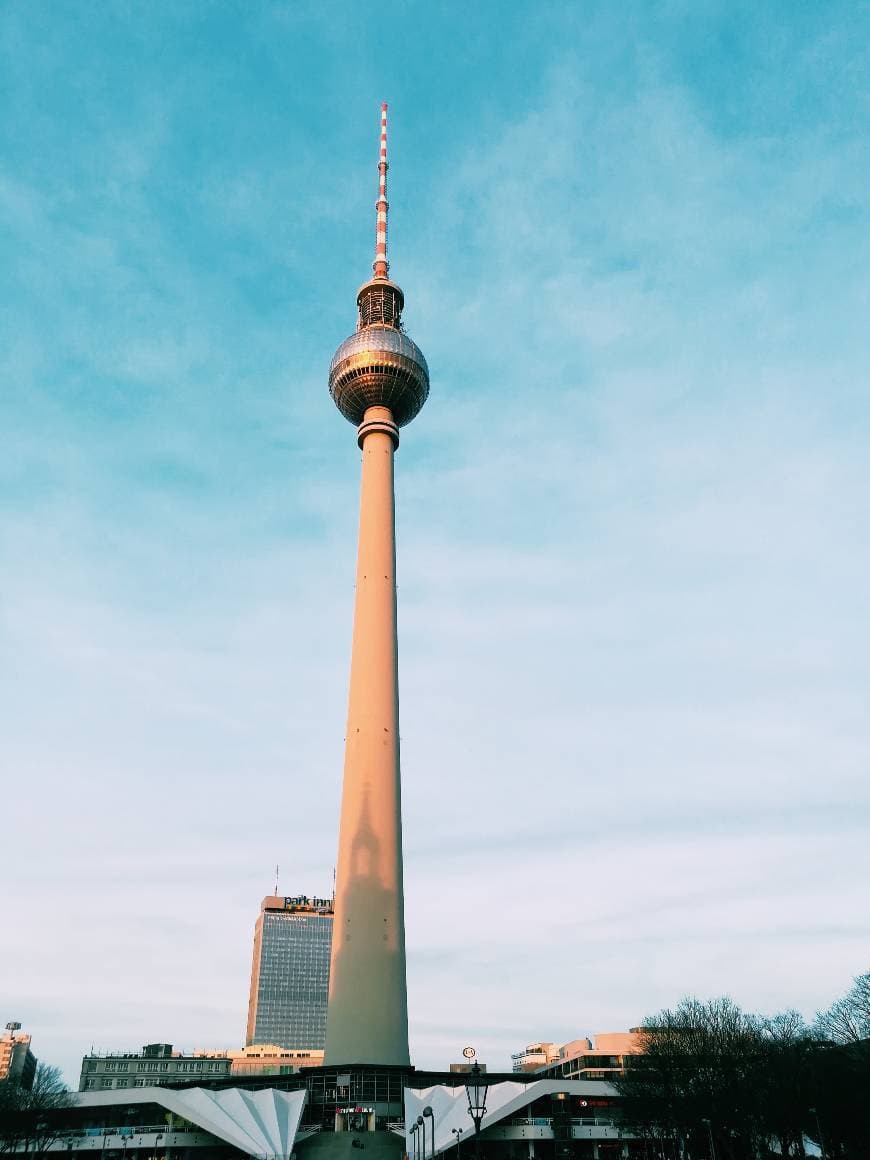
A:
381,265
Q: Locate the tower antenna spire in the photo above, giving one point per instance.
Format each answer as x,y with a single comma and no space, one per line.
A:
381,266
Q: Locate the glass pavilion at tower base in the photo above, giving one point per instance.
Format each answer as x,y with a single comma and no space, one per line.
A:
324,1113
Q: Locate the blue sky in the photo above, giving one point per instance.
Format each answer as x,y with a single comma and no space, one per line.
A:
633,516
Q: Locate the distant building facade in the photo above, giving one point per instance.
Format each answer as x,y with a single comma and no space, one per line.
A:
602,1057
17,1061
154,1066
290,973
269,1059
159,1065
534,1056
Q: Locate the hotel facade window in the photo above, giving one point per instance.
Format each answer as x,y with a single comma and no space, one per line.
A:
290,973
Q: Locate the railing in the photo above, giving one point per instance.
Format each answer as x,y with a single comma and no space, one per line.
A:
308,1130
125,1131
154,1137
546,1122
541,1127
119,1130
137,1055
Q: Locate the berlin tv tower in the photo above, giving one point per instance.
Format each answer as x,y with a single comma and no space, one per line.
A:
379,380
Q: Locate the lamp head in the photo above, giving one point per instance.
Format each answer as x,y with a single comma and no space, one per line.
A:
475,1089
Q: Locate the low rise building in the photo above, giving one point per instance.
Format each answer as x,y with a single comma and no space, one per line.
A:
155,1065
269,1059
600,1058
159,1065
535,1056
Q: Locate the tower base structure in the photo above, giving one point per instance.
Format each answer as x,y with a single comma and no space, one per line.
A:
346,1145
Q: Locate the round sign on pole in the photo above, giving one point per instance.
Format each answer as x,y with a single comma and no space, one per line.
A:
469,1052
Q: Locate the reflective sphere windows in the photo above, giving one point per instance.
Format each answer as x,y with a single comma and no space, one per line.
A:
379,366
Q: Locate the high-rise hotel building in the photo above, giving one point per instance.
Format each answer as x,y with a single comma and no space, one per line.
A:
17,1061
290,973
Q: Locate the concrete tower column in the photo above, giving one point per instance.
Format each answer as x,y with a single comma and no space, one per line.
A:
368,1012
379,381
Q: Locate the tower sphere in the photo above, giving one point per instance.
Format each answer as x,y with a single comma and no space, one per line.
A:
379,366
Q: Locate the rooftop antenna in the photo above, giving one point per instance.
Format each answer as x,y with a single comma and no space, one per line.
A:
276,879
381,266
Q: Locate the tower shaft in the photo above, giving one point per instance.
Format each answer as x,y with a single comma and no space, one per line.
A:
367,1019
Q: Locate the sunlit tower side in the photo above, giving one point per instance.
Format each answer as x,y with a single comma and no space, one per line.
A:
379,380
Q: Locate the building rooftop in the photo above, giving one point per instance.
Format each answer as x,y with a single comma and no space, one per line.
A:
298,904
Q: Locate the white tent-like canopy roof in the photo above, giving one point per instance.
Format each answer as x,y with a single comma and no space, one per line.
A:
450,1105
259,1123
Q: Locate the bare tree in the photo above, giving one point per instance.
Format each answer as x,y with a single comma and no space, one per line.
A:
712,1080
786,1079
11,1121
847,1020
697,1079
30,1117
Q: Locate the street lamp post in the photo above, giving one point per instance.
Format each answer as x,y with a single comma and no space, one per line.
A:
457,1132
475,1089
710,1134
429,1115
815,1112
421,1124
